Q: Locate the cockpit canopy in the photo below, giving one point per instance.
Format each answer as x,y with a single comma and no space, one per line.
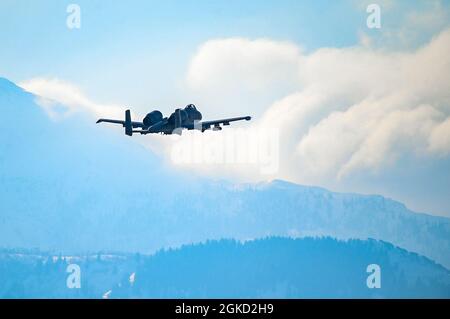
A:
190,107
193,113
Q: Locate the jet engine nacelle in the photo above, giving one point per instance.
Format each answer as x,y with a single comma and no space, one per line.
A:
178,117
152,118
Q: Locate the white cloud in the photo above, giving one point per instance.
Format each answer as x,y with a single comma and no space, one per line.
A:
345,109
54,93
353,108
230,75
439,140
61,99
241,62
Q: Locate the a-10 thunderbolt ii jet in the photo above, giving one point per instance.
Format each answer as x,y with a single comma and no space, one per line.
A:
188,118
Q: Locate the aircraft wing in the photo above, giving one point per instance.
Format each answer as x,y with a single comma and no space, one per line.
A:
133,124
216,123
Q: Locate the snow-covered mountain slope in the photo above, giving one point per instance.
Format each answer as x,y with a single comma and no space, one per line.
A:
72,187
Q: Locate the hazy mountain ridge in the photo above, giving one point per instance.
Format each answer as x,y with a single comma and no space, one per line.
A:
70,186
265,268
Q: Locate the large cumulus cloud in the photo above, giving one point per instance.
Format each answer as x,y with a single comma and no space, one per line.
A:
353,108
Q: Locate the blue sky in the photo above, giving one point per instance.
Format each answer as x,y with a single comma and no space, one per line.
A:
141,53
151,42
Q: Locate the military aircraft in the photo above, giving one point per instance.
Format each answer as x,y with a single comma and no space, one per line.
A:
188,118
